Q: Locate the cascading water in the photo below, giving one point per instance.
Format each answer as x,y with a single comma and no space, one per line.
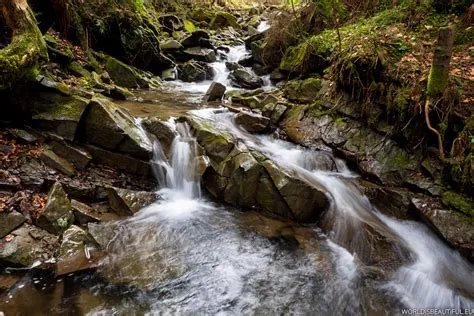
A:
436,276
178,175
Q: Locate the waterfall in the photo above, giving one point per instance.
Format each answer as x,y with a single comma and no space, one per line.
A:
178,173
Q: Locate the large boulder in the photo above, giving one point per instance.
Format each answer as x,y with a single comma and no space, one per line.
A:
246,179
252,122
54,108
57,214
194,71
201,54
122,74
224,19
243,78
161,130
170,45
215,92
195,39
455,228
27,244
111,127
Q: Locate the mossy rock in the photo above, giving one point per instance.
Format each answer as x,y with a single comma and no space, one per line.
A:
224,19
122,74
201,14
303,91
189,26
459,202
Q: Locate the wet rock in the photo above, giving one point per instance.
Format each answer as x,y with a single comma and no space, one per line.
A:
231,65
217,145
109,126
54,161
27,244
201,54
73,255
170,45
57,214
276,76
245,79
277,113
122,74
83,213
9,221
72,153
252,102
195,38
252,122
419,183
200,164
193,71
127,202
120,161
161,130
304,91
170,22
305,200
224,19
169,74
456,229
102,234
57,112
245,179
257,51
22,135
215,92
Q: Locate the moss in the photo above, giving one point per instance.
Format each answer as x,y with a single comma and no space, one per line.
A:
459,202
189,26
76,69
295,58
340,122
224,19
400,160
437,81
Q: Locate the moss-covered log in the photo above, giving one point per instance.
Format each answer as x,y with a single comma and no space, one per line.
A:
21,58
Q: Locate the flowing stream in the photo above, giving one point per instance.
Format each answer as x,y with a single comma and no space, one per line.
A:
188,255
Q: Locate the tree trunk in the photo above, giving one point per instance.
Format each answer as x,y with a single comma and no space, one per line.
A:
21,58
439,77
439,72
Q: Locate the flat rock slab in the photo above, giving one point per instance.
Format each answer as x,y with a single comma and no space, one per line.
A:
57,214
58,163
127,202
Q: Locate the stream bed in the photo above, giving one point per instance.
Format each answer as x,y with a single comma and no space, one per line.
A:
187,254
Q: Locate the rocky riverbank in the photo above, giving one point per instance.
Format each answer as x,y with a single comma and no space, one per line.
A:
74,160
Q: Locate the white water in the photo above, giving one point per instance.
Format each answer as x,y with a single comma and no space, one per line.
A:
437,277
263,26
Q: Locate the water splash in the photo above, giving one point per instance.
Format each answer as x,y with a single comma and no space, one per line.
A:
178,174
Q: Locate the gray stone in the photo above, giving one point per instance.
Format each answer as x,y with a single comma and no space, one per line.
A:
245,79
127,202
122,74
201,54
83,213
194,39
111,127
57,214
9,221
170,45
120,161
193,71
215,92
56,162
73,255
29,243
252,122
161,130
102,234
72,153
22,135
454,227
